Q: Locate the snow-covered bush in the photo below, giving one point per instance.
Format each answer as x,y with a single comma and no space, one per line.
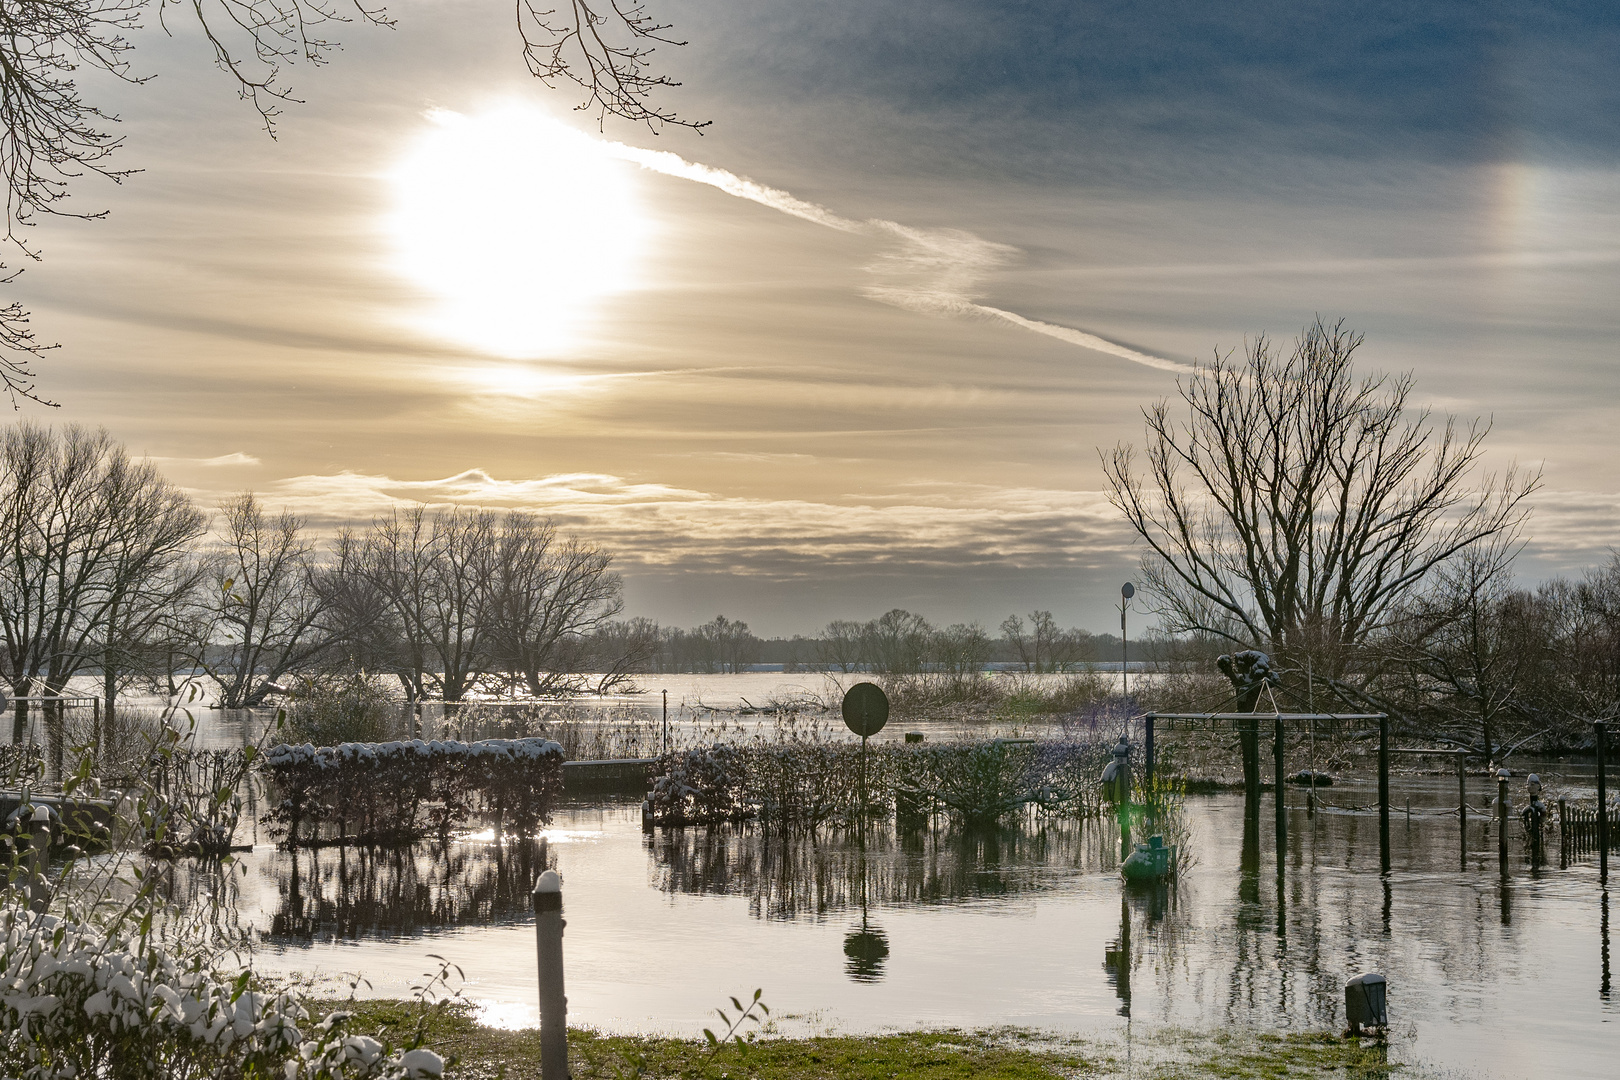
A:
397,792
701,786
82,998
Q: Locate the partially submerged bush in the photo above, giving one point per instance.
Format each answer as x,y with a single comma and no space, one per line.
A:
702,786
808,783
397,792
340,707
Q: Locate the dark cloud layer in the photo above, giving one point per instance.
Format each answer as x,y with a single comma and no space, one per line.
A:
1099,85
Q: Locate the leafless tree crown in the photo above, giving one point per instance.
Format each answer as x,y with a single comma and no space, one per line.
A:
1288,503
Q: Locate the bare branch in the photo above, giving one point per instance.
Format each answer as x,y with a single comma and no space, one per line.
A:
603,46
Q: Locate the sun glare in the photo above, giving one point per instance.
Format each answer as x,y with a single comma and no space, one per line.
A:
520,225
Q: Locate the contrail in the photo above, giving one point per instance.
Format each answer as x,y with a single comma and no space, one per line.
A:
931,270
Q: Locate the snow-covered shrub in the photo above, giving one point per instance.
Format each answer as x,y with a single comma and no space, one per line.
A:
83,998
701,786
397,792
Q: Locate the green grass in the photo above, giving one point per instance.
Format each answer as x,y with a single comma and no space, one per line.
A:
484,1053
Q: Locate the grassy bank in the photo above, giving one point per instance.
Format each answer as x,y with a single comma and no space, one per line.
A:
484,1053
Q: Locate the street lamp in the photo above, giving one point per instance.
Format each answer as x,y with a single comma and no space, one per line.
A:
1126,591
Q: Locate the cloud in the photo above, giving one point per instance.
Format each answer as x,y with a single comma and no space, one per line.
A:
656,527
223,460
932,271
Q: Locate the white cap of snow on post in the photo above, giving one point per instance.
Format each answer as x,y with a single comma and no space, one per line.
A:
549,882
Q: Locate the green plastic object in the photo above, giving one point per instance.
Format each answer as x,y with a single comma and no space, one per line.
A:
1152,861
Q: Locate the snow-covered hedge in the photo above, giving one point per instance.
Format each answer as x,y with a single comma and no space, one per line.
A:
396,792
79,1001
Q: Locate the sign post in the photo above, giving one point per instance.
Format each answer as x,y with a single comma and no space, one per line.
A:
866,710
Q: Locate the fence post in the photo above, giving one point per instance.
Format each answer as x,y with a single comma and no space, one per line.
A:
1602,730
1502,817
1383,791
1563,833
1281,800
548,931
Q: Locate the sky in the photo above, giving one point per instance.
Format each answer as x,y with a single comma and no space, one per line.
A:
857,345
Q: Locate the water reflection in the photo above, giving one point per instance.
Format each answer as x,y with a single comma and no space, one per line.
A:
350,893
1035,911
1603,935
866,948
794,875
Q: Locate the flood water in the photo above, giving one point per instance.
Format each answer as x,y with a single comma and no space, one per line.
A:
1489,975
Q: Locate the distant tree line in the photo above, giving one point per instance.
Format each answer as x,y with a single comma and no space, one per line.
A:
900,642
107,569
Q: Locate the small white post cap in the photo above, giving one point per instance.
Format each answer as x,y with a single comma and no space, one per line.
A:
549,882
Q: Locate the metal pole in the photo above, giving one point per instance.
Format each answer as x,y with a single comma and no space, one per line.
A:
548,930
1281,802
1383,791
1502,818
1148,725
1125,661
863,783
1602,730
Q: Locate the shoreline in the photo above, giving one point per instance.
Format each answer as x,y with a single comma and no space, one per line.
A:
481,1052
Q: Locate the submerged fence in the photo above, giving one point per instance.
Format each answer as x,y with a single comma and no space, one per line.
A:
1579,828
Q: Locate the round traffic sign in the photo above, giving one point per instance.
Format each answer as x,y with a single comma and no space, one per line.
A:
866,709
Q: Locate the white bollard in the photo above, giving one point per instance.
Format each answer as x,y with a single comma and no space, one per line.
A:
39,854
548,930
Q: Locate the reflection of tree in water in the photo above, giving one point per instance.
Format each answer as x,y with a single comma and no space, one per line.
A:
794,875
346,892
865,950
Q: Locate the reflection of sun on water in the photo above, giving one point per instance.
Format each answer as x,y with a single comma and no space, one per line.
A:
518,224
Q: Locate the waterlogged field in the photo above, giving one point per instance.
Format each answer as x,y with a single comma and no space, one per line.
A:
1024,925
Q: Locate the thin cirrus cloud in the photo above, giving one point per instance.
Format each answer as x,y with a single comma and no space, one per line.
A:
221,461
932,271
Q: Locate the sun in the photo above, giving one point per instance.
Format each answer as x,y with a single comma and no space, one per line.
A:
517,224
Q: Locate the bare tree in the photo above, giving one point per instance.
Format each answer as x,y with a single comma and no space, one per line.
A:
616,650
1585,643
1012,632
88,538
1294,504
896,642
840,645
961,649
725,645
1462,658
260,613
547,596
435,569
